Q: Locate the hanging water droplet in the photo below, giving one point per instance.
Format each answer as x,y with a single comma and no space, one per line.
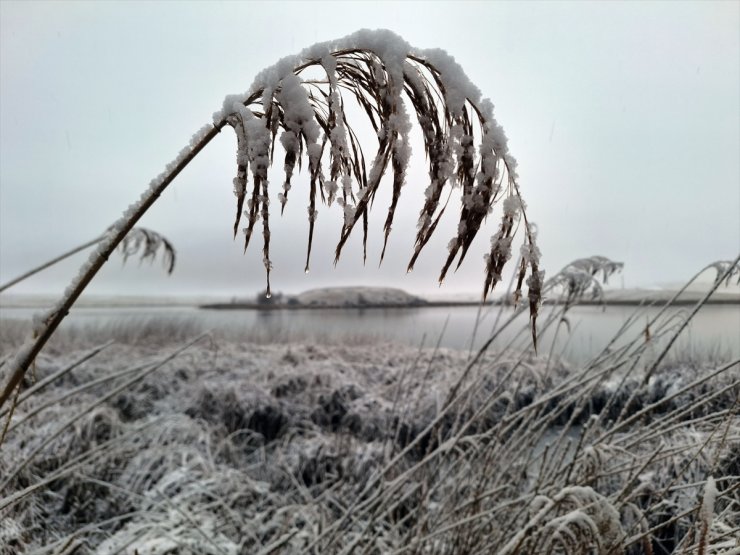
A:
268,295
305,271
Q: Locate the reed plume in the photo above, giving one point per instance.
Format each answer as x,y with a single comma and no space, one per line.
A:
145,242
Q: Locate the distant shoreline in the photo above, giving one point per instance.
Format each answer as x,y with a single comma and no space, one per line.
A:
452,304
364,298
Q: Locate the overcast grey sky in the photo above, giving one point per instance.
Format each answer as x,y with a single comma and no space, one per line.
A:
624,117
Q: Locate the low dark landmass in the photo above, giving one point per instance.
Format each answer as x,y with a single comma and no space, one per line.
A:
368,297
331,297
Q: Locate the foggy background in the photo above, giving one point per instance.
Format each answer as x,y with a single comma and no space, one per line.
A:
624,118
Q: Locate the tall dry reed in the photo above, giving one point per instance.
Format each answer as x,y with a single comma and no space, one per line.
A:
466,150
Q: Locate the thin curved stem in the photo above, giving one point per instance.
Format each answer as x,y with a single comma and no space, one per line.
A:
50,263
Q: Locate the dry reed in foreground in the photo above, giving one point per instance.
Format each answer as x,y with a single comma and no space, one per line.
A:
466,150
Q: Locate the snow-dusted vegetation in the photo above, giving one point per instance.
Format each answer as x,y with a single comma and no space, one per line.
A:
183,442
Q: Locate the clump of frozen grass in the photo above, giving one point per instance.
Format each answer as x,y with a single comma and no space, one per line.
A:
580,278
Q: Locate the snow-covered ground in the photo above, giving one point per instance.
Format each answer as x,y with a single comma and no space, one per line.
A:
234,447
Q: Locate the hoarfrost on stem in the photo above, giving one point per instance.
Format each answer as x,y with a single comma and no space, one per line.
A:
707,505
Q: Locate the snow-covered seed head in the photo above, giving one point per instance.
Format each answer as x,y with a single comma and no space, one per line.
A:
147,244
301,101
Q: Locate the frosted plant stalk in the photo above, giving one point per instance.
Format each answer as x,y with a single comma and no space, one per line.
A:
385,76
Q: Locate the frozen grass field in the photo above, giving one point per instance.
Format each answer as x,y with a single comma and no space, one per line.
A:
139,440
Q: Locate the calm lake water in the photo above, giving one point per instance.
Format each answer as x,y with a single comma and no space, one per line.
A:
714,331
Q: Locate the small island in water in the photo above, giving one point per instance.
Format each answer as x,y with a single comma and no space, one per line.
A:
385,297
329,297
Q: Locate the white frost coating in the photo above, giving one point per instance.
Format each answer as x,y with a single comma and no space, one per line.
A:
39,319
489,154
401,124
536,280
376,171
393,51
386,44
531,252
258,141
349,214
298,115
455,151
331,187
501,244
347,185
564,525
378,74
314,154
457,86
23,353
592,511
707,505
469,200
339,149
394,61
411,73
330,65
512,206
500,251
242,157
